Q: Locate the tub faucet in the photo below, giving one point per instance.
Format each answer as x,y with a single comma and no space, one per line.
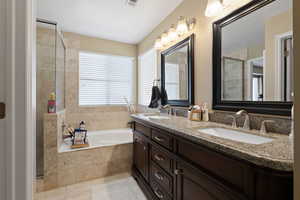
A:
247,119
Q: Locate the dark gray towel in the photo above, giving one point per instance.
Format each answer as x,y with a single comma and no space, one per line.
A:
164,97
155,97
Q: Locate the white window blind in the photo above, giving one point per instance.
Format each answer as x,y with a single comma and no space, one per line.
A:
146,73
104,79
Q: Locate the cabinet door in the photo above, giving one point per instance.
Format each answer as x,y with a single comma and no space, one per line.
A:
195,185
141,155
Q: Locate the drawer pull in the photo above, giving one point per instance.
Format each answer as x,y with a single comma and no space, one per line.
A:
159,158
159,176
178,171
159,139
158,193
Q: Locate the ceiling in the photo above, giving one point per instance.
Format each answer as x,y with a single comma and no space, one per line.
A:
107,19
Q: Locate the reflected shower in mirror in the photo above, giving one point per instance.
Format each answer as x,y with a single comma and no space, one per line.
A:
257,55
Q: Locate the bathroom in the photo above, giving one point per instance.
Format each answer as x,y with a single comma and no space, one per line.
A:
192,100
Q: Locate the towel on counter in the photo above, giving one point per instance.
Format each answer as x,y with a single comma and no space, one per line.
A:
155,97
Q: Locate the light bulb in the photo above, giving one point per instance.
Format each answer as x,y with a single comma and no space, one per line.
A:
192,23
158,44
213,8
172,35
227,2
164,39
182,27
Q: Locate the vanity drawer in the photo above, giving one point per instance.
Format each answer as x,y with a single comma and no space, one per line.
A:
161,177
162,138
162,159
159,191
143,129
227,169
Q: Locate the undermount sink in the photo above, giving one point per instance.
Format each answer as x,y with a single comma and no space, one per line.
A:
235,135
158,117
154,116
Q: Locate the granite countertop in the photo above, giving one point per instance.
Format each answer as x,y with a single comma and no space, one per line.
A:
276,154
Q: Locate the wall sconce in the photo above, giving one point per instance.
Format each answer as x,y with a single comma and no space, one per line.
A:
213,8
183,27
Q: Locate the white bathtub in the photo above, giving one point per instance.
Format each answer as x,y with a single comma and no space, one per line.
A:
103,138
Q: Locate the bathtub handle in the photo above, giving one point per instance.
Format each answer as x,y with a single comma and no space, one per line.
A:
158,157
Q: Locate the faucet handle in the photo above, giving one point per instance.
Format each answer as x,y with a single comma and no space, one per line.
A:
233,117
263,129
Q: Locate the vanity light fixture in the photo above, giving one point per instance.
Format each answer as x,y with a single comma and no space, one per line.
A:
182,27
165,39
227,2
213,8
158,43
192,23
172,33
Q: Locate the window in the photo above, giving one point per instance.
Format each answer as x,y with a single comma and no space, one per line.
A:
104,79
172,81
147,73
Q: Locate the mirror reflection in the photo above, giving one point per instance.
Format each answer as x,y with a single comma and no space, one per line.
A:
176,74
257,55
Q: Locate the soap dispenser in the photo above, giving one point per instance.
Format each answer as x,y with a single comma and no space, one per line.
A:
205,114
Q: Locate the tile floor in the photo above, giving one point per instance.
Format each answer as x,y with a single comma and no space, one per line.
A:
119,187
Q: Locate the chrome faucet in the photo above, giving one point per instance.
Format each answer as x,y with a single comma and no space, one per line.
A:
263,128
233,117
168,108
247,119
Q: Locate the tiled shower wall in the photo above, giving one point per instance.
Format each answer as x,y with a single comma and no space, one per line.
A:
45,84
50,78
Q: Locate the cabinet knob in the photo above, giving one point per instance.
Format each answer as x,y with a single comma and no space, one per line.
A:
145,148
178,171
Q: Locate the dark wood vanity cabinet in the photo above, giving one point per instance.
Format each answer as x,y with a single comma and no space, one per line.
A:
169,167
141,155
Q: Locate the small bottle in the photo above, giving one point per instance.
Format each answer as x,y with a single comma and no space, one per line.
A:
52,103
205,114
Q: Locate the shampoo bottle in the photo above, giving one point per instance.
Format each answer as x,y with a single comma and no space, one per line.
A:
52,103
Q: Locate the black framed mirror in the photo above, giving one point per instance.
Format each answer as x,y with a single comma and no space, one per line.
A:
253,59
177,73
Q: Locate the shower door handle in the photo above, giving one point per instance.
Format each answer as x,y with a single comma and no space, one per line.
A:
2,110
